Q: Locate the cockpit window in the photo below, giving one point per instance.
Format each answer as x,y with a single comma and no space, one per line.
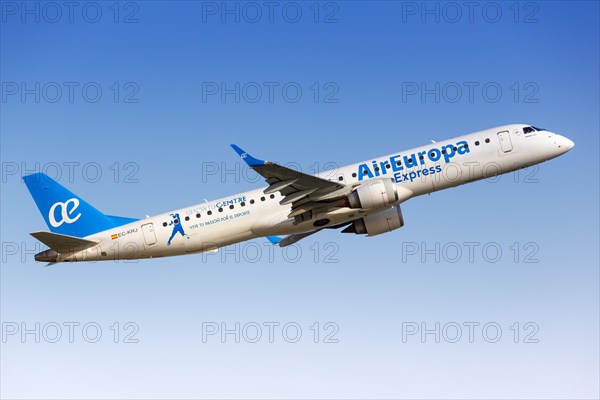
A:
530,129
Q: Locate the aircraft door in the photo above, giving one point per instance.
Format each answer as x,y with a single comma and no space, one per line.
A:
149,235
505,142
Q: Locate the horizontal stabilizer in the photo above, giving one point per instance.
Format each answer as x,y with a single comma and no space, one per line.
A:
63,244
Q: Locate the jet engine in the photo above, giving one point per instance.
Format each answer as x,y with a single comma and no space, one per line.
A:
372,194
378,223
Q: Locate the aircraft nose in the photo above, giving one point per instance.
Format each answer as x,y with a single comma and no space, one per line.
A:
565,143
570,144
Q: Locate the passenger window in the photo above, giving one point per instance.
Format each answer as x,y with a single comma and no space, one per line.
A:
231,207
272,196
220,210
209,212
187,218
354,174
198,215
262,198
487,140
251,201
477,143
164,224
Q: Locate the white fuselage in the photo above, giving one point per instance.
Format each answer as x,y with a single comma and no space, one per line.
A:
210,225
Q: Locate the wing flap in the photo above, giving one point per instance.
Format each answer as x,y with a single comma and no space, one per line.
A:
277,186
292,197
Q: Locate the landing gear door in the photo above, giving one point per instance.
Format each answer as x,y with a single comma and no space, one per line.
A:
149,235
505,142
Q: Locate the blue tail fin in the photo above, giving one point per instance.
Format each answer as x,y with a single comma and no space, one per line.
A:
65,212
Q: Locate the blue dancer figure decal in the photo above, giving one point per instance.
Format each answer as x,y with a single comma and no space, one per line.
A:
176,222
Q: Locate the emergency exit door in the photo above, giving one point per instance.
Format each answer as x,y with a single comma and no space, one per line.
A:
505,143
149,235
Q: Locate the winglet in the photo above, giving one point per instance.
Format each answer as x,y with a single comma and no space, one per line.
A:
251,161
274,239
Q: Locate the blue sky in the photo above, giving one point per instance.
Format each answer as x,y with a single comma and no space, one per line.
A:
136,116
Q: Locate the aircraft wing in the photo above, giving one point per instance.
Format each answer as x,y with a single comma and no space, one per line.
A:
303,192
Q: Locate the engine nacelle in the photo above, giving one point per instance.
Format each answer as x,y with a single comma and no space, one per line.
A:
378,223
376,193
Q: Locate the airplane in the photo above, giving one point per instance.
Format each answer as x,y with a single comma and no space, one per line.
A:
363,198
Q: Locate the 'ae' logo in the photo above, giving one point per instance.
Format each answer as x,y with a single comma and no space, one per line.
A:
65,212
